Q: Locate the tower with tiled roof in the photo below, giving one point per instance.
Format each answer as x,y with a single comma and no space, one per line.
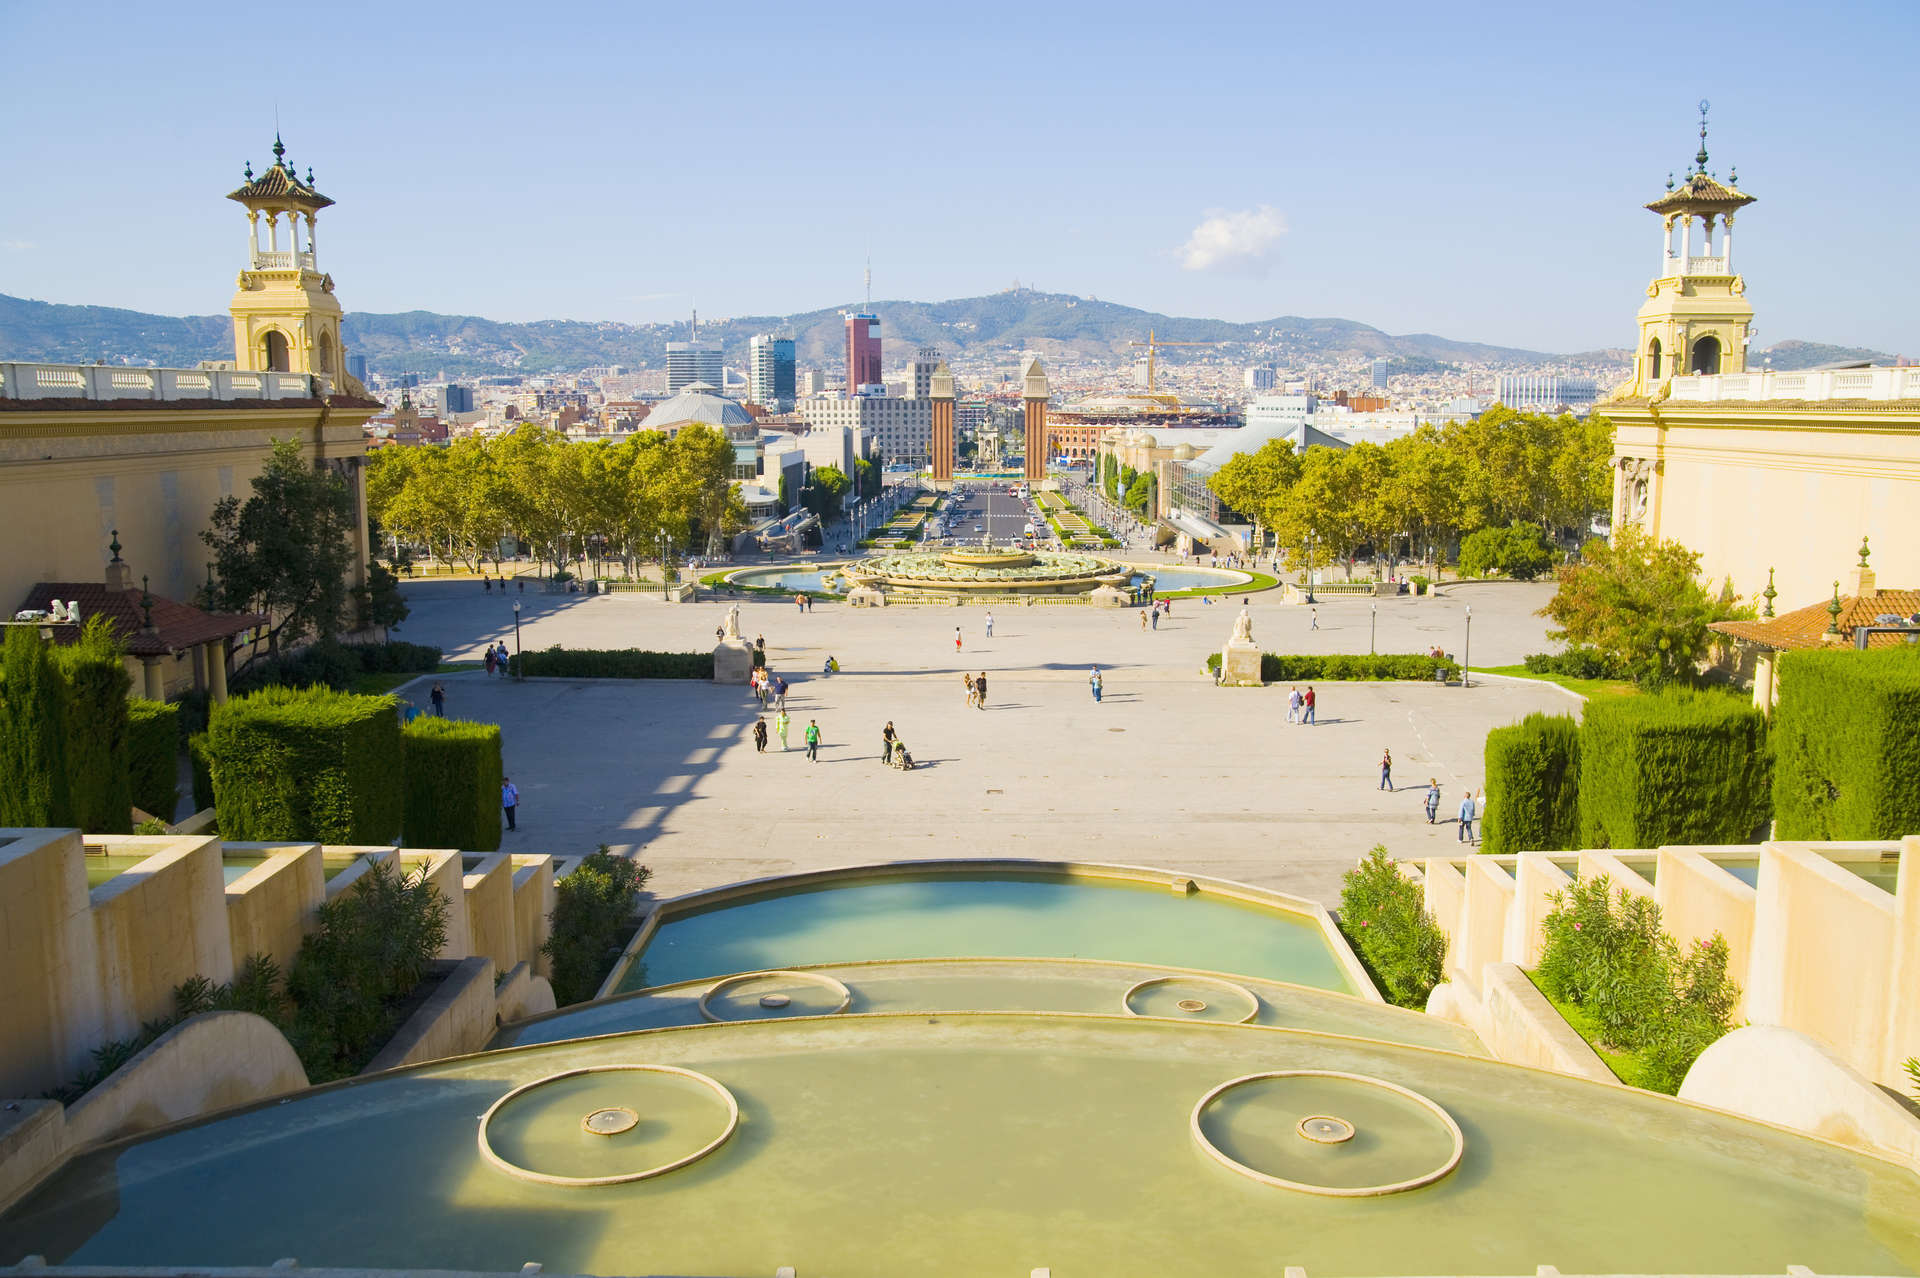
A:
1696,318
285,316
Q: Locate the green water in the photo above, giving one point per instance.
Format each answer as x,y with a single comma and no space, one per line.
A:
1882,874
233,868
101,869
958,985
977,1145
989,915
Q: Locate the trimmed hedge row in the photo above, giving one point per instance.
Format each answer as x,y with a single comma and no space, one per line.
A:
1847,744
453,774
1533,768
1335,667
308,764
32,734
611,663
96,685
153,757
202,765
335,665
1681,767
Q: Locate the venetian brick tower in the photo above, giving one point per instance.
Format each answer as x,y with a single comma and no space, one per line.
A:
940,391
1034,394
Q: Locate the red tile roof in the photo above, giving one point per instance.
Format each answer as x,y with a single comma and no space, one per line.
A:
176,626
1807,627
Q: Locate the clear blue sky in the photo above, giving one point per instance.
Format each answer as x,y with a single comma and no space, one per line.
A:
1475,171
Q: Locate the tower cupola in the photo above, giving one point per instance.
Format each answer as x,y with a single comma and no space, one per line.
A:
285,317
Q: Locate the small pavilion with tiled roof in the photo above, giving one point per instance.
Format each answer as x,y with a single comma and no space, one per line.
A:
158,634
1832,624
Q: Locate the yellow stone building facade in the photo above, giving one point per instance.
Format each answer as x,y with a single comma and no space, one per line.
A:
87,449
1757,471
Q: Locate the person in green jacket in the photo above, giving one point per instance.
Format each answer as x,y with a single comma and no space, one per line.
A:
813,742
780,725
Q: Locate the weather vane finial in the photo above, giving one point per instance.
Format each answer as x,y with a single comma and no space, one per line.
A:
279,149
1701,159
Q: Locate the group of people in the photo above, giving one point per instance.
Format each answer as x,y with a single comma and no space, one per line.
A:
1151,617
781,724
1473,807
1300,706
976,689
769,687
497,659
488,583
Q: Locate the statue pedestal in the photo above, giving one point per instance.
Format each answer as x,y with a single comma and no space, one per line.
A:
867,597
1240,665
732,661
1110,597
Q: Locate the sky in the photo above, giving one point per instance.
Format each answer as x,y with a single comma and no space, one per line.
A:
1471,170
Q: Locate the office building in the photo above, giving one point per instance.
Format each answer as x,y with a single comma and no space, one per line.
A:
357,368
456,399
1379,374
917,382
863,352
694,362
770,372
901,429
809,382
1548,394
1258,378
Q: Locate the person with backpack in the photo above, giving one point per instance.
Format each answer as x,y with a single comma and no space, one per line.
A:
760,735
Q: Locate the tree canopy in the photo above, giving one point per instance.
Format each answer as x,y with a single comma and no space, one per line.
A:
287,550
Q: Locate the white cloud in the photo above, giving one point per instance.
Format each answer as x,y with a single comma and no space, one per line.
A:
16,246
1235,240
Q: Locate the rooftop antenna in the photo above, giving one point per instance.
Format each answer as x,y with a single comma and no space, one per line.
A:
695,330
869,281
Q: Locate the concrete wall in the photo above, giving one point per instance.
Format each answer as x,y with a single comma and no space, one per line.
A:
1697,899
458,1018
533,885
212,1061
157,925
1517,1023
1903,1016
490,922
54,997
270,907
443,869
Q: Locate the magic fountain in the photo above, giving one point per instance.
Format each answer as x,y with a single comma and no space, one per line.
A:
972,571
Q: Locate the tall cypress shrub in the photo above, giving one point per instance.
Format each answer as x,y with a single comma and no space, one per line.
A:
1677,767
1533,784
33,767
309,764
1847,744
453,774
96,685
153,756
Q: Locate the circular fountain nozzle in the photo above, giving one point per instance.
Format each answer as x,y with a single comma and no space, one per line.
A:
1324,1129
1192,1005
774,1000
611,1121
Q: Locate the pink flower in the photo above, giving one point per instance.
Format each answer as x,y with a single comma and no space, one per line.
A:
1576,927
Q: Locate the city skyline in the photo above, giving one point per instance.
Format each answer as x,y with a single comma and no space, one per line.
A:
472,180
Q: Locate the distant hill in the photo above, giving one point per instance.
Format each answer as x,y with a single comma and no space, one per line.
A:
1054,324
1790,356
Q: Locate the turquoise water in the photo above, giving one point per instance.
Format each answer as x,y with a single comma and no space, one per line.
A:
234,867
988,916
1164,579
1882,874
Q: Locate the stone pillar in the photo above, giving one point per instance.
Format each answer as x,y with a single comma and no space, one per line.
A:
155,678
217,670
943,442
1034,394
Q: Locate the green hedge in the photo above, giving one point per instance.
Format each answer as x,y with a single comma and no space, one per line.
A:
95,755
1533,777
1384,918
611,663
153,757
1680,767
453,784
1336,667
309,764
1847,744
202,767
334,665
33,704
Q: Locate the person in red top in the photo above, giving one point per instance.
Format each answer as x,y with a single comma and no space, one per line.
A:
1307,706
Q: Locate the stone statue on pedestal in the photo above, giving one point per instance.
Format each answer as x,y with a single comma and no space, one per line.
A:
1242,627
1240,659
733,622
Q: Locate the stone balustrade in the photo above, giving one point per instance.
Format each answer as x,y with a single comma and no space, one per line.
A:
1886,384
113,382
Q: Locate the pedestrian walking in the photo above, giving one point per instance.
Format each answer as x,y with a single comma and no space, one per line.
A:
509,800
780,693
491,661
1433,799
808,601
522,581
1093,680
887,738
1306,705
813,742
989,624
1315,624
1293,704
1466,818
780,725
980,691
439,698
501,656
968,680
800,602
1154,612
1143,621
1386,770
760,735
956,640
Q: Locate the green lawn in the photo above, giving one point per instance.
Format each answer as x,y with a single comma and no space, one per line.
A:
1261,581
1585,687
1625,1065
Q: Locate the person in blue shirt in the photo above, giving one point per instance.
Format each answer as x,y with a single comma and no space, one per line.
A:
1433,799
1466,818
509,800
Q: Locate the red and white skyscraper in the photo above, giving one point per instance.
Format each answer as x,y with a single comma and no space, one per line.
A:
863,352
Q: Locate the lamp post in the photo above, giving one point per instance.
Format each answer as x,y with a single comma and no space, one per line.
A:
1466,653
666,552
1373,625
1309,567
519,666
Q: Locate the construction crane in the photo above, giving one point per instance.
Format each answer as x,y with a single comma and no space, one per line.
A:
1152,344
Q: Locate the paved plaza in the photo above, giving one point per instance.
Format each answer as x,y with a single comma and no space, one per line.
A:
1168,770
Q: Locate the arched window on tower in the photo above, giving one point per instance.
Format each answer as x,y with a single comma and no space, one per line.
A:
1706,355
323,354
1653,360
275,351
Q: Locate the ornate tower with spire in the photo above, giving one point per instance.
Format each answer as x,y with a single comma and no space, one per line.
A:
941,392
285,317
1034,394
1696,318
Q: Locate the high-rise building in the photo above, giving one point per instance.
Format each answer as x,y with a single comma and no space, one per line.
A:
863,352
1258,378
918,382
1379,374
357,368
690,362
770,372
456,399
1548,394
902,429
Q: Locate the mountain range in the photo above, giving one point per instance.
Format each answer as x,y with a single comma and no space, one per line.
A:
1000,324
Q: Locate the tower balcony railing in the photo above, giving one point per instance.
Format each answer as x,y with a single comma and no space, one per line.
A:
282,260
107,382
1883,384
1678,265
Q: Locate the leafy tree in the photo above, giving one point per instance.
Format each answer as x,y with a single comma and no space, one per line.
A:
1423,491
1518,551
830,485
1248,482
866,479
32,734
1639,603
379,603
592,914
1398,941
287,550
1139,495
